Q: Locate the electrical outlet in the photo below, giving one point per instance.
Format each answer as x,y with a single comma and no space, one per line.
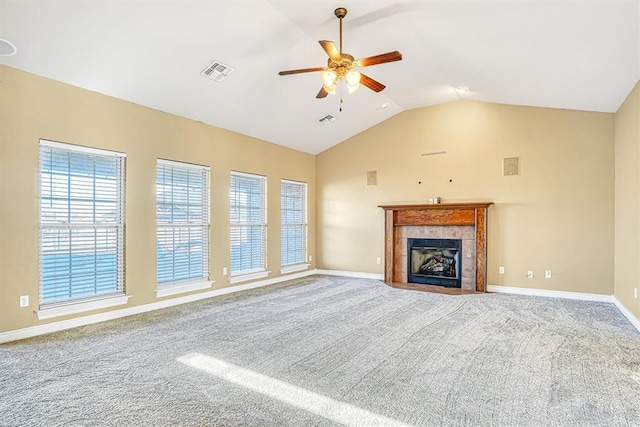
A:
224,271
24,301
530,274
310,258
501,270
547,274
379,260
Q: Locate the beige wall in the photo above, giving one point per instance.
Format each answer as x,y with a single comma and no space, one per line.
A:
557,215
627,193
33,107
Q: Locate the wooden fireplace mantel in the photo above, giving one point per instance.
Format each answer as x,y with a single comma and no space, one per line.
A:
474,214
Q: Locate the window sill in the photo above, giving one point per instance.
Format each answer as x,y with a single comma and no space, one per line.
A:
293,268
249,276
79,307
180,288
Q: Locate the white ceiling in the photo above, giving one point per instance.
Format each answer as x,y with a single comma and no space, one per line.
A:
562,54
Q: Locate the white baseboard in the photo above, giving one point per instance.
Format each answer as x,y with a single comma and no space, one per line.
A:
61,325
626,313
356,274
549,293
33,331
569,295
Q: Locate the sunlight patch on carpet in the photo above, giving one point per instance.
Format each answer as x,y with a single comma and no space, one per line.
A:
318,404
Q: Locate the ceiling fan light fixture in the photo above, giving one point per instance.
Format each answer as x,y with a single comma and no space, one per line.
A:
341,66
329,78
353,80
331,90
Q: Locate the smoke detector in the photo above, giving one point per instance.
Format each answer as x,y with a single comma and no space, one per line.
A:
217,71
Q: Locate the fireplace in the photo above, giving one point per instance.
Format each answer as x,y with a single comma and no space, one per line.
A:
435,262
445,221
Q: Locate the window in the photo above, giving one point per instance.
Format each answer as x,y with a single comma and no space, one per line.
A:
248,197
182,217
81,224
293,211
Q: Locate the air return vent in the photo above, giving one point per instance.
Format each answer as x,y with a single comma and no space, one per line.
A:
326,119
217,71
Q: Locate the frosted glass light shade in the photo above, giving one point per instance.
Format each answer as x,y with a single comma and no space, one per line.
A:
353,81
353,78
331,90
328,78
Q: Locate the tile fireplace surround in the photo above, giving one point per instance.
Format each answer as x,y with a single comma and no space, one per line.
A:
466,221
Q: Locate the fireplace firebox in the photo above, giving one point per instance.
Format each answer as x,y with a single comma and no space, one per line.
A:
435,262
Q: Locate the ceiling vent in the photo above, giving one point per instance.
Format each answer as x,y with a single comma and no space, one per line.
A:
217,71
326,119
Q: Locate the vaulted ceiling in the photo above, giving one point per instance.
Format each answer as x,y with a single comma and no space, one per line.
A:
563,54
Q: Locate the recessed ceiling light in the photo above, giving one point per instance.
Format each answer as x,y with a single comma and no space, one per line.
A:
7,48
461,89
383,106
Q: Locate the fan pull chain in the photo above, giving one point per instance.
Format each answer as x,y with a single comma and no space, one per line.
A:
341,101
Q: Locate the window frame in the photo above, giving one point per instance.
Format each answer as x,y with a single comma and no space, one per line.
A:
89,194
289,205
174,265
246,227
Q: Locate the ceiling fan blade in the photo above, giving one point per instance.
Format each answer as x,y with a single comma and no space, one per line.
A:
331,49
301,70
379,59
322,94
374,85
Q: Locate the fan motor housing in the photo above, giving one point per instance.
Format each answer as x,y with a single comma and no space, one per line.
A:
341,68
346,63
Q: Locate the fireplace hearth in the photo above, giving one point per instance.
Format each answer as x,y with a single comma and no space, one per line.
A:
435,262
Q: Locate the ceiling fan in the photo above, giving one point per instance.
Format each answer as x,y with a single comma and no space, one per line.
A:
341,66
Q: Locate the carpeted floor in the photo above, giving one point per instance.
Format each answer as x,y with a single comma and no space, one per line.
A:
333,350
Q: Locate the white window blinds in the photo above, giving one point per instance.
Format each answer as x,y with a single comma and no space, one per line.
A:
182,216
81,223
293,211
248,195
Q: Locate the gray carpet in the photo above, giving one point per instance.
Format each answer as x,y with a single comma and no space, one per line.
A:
330,350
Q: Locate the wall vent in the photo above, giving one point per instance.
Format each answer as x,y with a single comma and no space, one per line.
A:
326,119
217,71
